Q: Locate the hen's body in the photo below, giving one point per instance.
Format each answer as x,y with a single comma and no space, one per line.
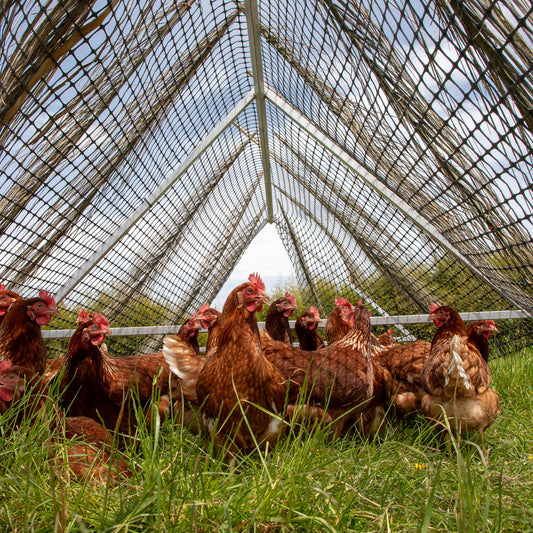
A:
340,320
339,376
456,378
238,376
386,338
103,387
405,363
306,329
21,339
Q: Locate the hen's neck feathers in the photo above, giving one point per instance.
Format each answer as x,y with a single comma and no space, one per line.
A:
81,350
21,339
238,326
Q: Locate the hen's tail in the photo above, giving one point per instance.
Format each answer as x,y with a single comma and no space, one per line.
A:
457,378
184,363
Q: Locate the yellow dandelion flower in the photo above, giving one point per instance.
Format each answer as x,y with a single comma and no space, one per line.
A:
419,466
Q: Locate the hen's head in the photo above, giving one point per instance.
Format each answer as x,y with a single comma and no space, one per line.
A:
41,309
12,381
189,329
485,328
286,305
208,316
346,310
311,319
249,296
442,315
7,299
95,327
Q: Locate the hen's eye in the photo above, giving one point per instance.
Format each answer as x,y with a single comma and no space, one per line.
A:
249,290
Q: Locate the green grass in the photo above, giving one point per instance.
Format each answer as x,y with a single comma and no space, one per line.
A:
404,481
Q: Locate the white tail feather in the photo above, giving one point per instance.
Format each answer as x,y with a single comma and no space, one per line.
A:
455,368
176,356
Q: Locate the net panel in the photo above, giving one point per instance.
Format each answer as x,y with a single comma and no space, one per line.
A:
106,192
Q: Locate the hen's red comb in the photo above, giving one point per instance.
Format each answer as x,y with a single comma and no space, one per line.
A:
360,302
291,298
433,307
5,364
257,281
101,320
48,298
83,316
314,312
491,323
203,309
2,287
342,301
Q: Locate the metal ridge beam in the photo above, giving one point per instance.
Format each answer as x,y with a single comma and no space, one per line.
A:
254,38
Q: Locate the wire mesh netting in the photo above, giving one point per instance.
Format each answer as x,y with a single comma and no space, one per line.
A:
145,145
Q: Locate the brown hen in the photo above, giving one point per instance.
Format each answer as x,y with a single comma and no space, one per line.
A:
339,321
21,339
306,329
405,363
7,299
456,378
277,318
103,387
339,376
238,381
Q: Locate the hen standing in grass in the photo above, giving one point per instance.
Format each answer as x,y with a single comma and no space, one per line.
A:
306,329
21,339
456,378
479,334
238,381
339,321
103,387
339,376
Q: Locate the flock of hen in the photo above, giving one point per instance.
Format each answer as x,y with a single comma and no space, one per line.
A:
250,387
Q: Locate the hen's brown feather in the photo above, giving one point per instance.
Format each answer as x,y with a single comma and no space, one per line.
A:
405,363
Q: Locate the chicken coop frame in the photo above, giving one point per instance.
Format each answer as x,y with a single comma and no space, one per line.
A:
389,142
